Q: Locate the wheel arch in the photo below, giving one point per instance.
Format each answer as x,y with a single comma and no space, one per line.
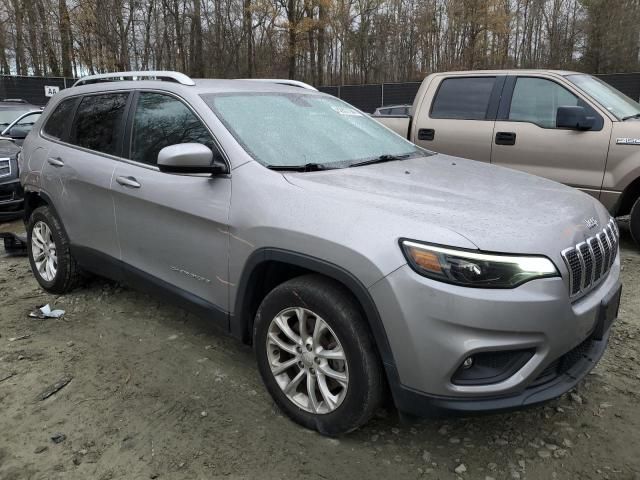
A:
34,199
268,267
629,196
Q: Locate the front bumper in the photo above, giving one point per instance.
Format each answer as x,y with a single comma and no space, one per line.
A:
433,327
11,199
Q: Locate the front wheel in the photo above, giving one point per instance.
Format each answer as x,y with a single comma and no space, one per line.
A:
316,356
634,222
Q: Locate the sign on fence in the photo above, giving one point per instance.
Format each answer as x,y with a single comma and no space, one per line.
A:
50,90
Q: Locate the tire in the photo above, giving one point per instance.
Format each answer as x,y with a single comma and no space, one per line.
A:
340,406
634,222
65,275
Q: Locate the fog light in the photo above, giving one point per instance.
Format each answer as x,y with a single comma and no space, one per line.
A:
485,368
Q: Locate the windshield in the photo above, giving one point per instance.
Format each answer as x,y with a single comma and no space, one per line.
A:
291,129
613,100
29,119
8,116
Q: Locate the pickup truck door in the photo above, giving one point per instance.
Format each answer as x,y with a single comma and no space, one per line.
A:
459,120
526,138
172,228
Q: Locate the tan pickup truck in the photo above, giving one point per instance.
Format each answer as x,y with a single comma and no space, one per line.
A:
566,126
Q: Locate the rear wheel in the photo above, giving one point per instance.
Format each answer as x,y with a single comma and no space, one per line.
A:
316,356
634,222
51,261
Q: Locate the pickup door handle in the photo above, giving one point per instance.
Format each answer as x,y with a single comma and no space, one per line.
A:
55,161
505,138
426,134
130,182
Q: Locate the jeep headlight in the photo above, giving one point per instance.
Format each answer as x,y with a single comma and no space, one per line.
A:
472,268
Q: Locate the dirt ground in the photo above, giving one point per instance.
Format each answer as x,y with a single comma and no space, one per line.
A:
158,393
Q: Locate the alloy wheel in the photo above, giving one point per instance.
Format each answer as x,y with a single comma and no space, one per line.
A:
43,248
307,360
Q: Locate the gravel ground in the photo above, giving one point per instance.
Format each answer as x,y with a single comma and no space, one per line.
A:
158,393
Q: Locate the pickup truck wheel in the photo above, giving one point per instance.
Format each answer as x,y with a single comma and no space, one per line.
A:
316,357
48,248
634,222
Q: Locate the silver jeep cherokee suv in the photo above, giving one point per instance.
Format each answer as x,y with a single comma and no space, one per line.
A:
352,260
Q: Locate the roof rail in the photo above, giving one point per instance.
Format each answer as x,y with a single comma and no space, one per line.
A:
293,83
177,77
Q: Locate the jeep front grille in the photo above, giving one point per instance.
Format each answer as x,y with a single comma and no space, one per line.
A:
589,261
5,167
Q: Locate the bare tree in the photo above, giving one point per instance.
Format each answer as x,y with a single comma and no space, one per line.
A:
319,41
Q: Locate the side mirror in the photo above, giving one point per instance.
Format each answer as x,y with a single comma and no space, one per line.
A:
19,132
189,158
575,118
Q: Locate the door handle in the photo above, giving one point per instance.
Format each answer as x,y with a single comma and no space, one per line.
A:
426,134
55,161
505,138
130,182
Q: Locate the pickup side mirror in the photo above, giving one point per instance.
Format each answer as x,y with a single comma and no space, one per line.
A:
575,118
189,158
19,132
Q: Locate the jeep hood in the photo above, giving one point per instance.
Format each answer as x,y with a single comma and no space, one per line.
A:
495,208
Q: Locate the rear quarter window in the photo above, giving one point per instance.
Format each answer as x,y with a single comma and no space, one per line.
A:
464,98
57,123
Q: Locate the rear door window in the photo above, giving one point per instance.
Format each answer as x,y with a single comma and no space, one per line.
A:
464,98
99,122
162,120
59,120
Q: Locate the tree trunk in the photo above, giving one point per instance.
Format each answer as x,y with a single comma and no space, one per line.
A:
218,37
146,51
310,7
123,56
32,30
322,18
197,57
21,67
247,30
4,63
291,54
65,38
181,59
49,53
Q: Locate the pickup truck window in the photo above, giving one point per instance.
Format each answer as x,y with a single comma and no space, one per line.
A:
463,98
292,129
536,100
613,100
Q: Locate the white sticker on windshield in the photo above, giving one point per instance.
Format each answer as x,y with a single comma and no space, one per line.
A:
352,112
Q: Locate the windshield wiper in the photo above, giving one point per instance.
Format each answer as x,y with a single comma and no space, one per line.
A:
307,167
381,159
635,115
